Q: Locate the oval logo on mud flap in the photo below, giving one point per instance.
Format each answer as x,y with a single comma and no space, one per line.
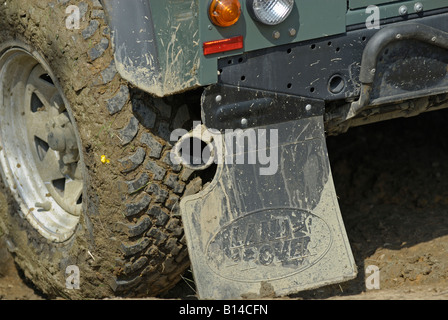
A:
269,244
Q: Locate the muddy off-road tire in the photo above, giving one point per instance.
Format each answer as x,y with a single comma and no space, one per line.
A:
105,199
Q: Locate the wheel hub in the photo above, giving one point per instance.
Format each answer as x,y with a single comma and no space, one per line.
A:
61,138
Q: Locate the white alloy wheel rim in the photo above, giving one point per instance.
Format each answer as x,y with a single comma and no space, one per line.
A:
46,183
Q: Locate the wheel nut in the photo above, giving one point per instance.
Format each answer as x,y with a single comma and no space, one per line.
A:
56,139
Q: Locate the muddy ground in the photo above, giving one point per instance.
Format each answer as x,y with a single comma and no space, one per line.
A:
392,183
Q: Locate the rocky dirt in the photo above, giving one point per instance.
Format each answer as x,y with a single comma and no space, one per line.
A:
392,183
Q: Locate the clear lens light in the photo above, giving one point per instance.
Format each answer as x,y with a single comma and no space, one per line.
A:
272,12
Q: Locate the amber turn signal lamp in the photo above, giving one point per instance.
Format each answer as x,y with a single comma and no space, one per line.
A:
224,13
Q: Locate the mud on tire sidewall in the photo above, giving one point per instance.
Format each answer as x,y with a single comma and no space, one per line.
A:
110,259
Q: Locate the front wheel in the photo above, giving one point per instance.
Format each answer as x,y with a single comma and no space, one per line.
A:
85,159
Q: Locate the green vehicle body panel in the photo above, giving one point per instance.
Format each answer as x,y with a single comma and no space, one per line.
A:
356,4
156,43
182,26
388,9
176,26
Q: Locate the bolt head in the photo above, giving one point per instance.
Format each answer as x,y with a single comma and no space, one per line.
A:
308,107
292,32
418,7
218,98
276,34
403,10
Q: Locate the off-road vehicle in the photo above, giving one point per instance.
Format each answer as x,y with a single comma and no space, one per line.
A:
105,104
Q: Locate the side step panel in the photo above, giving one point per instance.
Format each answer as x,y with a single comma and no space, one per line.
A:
263,230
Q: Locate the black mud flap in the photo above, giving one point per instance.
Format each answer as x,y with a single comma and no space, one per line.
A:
269,229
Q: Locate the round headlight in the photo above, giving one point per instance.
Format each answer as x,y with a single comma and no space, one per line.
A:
270,12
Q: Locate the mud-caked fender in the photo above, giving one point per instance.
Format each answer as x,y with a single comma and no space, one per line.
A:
154,48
